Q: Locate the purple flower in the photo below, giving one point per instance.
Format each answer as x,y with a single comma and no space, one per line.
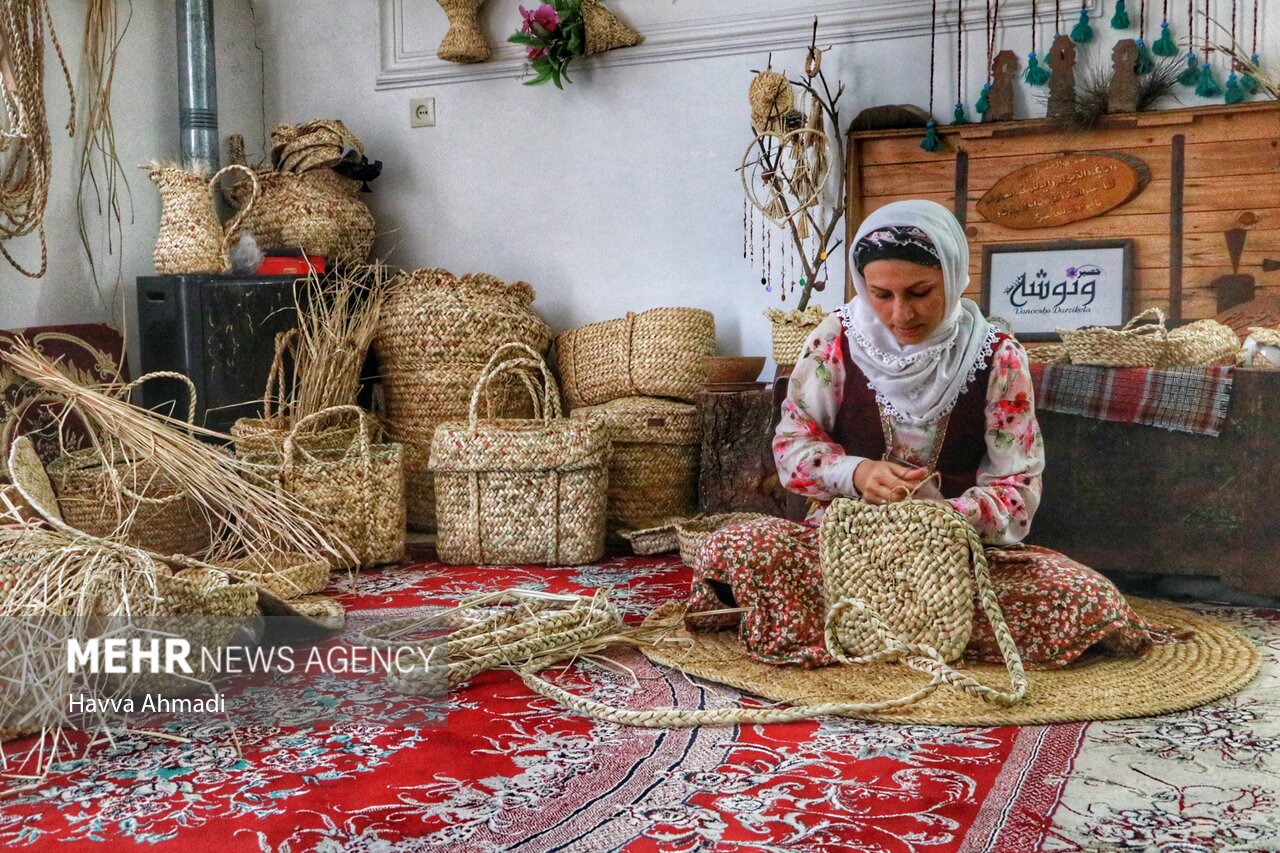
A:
1072,272
544,16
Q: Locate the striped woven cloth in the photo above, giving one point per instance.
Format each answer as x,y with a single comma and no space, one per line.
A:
1188,399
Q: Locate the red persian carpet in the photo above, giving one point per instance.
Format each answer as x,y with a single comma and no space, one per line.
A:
339,762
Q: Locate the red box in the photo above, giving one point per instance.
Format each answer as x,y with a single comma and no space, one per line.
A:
295,265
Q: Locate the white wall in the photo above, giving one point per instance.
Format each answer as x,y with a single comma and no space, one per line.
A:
145,111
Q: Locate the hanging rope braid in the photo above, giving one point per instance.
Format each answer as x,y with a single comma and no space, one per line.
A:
1249,81
1035,75
26,146
960,117
1082,33
1207,86
1191,75
931,141
1235,92
1146,62
983,103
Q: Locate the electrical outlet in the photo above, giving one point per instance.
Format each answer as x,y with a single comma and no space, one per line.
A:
422,112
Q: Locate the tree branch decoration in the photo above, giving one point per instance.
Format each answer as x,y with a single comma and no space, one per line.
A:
789,169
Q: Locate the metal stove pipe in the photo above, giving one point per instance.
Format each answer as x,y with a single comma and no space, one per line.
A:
197,86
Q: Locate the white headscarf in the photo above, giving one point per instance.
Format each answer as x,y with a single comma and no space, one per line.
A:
919,383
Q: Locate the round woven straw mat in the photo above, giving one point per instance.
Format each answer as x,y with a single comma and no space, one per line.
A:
1217,662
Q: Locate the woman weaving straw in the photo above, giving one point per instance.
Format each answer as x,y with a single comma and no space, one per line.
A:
908,392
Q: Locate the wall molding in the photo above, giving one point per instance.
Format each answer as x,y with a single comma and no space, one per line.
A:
707,32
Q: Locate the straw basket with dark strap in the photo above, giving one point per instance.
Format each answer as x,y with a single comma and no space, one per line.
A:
131,500
357,492
520,491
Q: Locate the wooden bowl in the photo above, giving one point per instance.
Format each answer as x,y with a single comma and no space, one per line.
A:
728,370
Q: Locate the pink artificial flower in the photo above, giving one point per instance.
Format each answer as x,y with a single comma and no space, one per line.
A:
535,52
544,16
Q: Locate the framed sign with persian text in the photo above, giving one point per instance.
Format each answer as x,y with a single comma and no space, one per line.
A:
1039,288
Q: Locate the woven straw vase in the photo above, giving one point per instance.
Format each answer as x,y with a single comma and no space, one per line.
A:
317,211
435,334
191,239
790,330
656,353
520,491
653,470
1134,345
357,493
604,30
465,41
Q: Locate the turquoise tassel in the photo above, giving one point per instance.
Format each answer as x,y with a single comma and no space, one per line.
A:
1248,82
960,117
1207,87
983,103
931,141
1165,45
1120,20
1082,33
1146,61
1235,94
1035,75
1191,75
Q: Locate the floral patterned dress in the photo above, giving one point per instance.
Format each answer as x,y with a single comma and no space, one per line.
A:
1056,608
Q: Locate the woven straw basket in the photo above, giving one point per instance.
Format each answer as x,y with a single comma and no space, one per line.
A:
317,211
1202,343
656,353
191,238
520,491
268,433
435,334
653,471
358,492
791,329
132,501
1132,346
604,29
693,533
465,41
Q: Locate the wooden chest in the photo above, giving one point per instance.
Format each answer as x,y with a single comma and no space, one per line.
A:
1212,170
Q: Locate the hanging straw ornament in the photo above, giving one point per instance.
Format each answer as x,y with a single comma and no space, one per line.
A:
1146,60
960,117
983,104
1035,75
1249,81
1165,45
1120,20
1234,91
1190,76
931,141
1207,86
1082,33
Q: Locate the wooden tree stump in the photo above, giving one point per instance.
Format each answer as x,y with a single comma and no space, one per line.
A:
738,472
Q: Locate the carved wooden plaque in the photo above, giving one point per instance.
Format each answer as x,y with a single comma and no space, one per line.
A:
1063,190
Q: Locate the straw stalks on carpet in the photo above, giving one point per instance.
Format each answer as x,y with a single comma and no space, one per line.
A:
249,517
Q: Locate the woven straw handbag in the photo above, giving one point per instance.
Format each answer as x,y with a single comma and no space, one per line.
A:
133,501
356,492
191,237
1134,345
653,470
267,434
520,491
656,353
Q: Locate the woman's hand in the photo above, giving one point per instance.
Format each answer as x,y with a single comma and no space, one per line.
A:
886,482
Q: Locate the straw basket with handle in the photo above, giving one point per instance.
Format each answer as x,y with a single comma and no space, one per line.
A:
1202,343
520,491
191,238
356,492
132,500
267,434
1135,345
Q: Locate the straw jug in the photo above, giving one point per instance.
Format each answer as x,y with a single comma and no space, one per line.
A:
191,238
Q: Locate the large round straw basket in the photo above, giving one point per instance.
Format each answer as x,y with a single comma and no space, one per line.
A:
520,491
656,353
432,316
317,211
1134,345
1202,343
357,493
791,329
653,470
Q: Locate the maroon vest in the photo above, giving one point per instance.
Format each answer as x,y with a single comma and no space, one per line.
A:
858,430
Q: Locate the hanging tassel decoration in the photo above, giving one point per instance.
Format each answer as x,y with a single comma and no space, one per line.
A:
1249,82
984,103
1235,92
1035,74
960,117
1191,74
1207,86
1146,61
1165,45
1082,33
931,141
1120,20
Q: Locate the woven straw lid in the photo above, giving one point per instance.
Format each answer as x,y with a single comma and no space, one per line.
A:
645,420
1216,662
1265,336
